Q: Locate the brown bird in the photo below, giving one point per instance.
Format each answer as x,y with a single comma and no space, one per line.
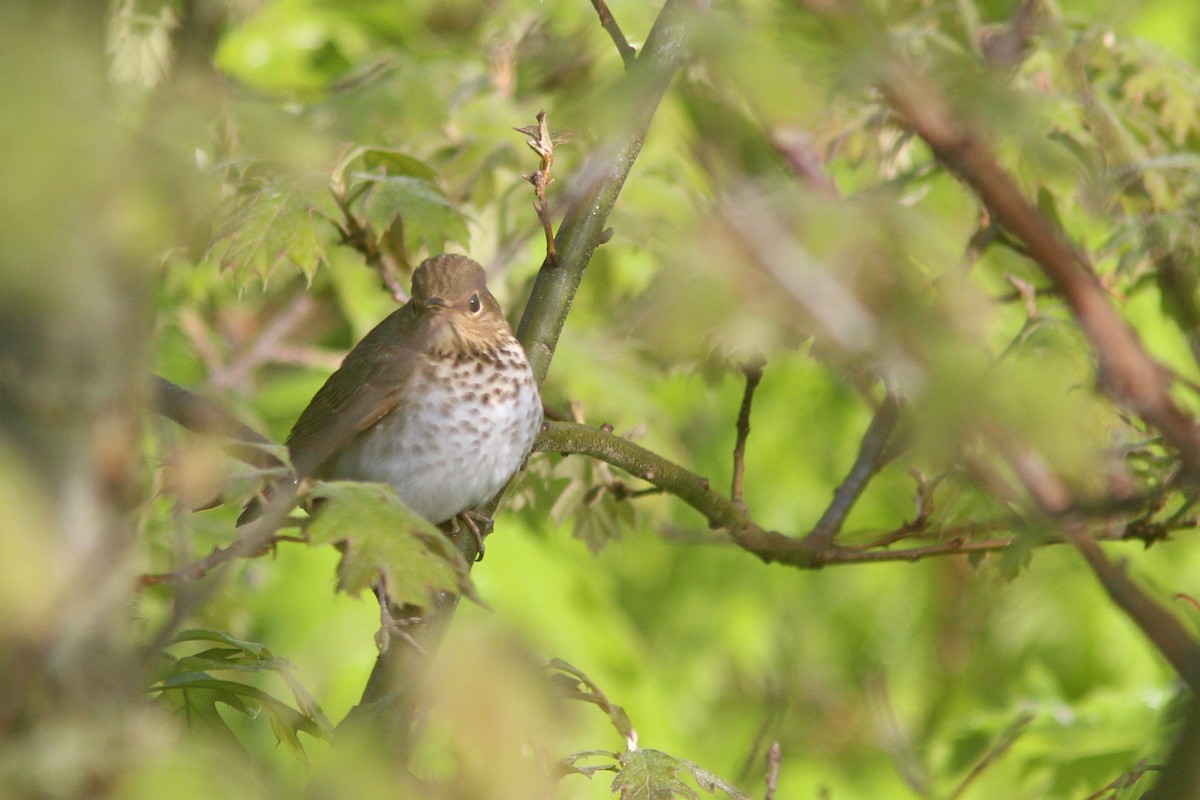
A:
438,400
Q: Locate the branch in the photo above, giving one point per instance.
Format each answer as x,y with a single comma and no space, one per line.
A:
1128,373
202,415
599,182
753,370
1161,627
871,457
628,54
257,537
357,233
389,701
722,513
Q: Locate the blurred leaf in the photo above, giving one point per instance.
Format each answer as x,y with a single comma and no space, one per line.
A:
199,693
427,216
381,538
652,775
276,224
576,685
598,515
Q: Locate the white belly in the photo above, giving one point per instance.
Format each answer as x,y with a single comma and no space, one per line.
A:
446,452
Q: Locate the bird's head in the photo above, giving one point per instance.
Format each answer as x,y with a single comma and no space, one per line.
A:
449,292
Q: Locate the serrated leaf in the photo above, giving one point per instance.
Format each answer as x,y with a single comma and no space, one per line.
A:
650,775
201,692
275,225
654,775
598,516
380,537
427,216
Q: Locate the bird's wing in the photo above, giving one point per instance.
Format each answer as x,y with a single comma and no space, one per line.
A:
368,385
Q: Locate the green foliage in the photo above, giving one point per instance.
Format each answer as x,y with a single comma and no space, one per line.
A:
381,538
189,687
778,207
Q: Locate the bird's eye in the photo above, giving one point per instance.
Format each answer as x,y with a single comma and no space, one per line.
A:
475,305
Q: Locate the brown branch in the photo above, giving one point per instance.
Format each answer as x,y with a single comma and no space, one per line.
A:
753,370
803,161
357,233
1160,626
202,415
264,346
1128,373
872,455
257,538
774,762
628,54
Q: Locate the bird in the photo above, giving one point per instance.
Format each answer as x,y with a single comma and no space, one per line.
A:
438,400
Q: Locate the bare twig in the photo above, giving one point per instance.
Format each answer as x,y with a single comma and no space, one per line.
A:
628,54
357,233
803,160
264,347
542,143
774,762
872,455
257,537
753,370
994,753
1160,626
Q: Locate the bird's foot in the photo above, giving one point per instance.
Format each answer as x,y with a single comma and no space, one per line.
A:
479,524
390,625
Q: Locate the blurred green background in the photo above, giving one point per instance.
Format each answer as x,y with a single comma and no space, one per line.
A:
878,681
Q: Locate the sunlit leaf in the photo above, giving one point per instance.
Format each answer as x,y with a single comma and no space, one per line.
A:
382,539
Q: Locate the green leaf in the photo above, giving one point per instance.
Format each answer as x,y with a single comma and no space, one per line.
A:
597,515
275,225
397,164
423,209
380,537
654,775
201,692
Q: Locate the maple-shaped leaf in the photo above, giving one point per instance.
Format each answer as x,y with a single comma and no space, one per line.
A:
380,537
196,695
654,775
425,213
277,224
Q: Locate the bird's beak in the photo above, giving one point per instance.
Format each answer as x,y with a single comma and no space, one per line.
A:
434,304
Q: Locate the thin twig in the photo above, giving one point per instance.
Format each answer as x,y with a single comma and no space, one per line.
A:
774,761
263,348
753,370
257,537
357,233
994,753
1160,626
628,54
872,455
542,143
